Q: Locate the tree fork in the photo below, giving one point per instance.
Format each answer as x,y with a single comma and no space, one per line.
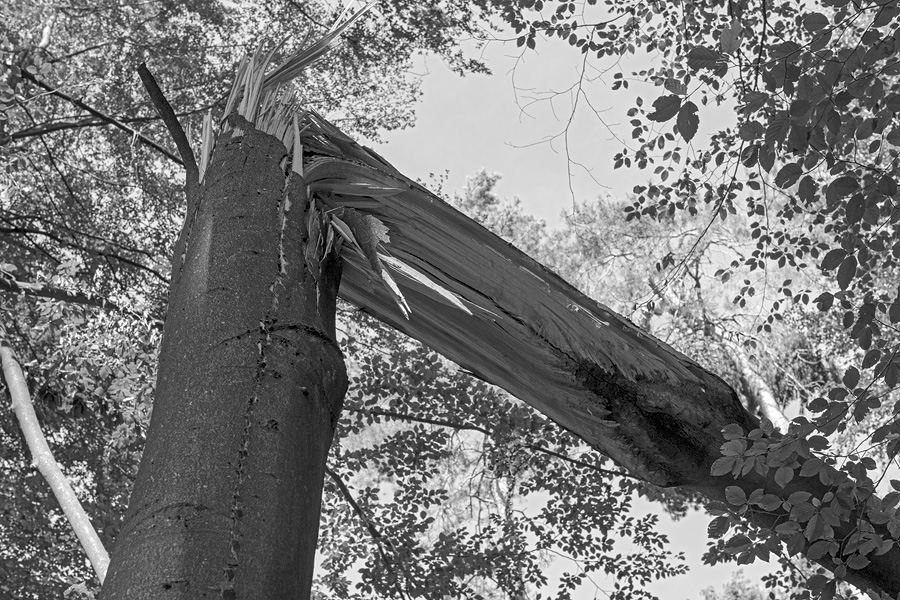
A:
250,385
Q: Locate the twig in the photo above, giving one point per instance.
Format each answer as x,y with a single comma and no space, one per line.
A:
168,116
42,458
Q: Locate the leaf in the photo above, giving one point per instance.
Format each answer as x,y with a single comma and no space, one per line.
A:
851,378
856,208
824,301
833,259
788,175
865,129
811,467
816,582
718,527
676,87
665,107
730,38
735,495
787,528
777,129
688,121
766,158
815,21
784,49
844,186
753,101
892,102
892,374
701,57
749,155
858,561
846,272
885,15
802,512
722,466
769,502
738,543
783,476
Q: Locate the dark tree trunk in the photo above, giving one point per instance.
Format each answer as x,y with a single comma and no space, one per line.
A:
250,385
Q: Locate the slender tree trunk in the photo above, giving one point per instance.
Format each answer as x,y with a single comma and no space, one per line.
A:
250,385
755,386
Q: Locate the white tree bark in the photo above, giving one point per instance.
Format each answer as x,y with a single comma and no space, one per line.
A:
42,458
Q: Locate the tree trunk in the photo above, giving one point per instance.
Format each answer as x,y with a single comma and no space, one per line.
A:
755,386
250,385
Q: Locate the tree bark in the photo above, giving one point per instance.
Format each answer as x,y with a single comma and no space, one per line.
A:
250,385
755,386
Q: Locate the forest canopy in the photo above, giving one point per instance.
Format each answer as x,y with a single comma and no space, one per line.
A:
766,251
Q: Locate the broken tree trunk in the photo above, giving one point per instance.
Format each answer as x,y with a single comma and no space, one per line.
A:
250,385
504,317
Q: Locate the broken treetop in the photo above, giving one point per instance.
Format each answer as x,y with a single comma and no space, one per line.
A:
416,263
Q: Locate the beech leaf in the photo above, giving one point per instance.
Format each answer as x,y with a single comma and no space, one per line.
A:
718,527
730,38
846,272
815,21
701,57
788,175
735,495
783,476
844,186
856,208
688,121
665,107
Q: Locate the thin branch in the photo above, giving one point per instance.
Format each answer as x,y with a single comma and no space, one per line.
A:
9,284
42,458
112,121
50,127
308,16
373,531
168,116
467,427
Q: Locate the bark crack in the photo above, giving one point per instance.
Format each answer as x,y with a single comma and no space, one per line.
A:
265,340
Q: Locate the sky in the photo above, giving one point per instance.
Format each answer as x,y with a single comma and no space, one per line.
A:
492,122
514,122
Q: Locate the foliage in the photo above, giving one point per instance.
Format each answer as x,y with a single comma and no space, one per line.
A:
456,484
809,166
738,588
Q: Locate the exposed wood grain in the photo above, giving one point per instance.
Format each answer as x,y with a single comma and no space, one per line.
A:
650,408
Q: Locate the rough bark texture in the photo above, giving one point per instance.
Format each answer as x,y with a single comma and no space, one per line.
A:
648,407
251,381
